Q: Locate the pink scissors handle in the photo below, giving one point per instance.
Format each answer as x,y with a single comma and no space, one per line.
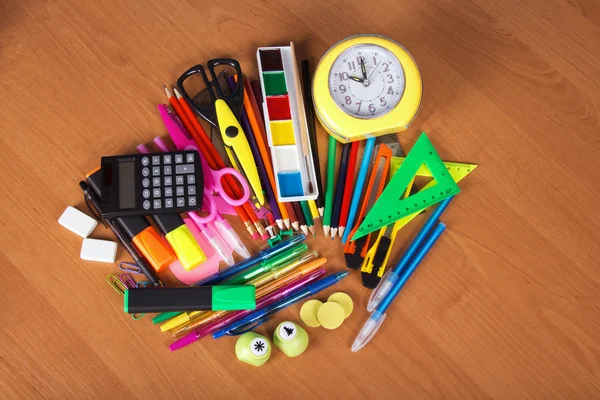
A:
218,187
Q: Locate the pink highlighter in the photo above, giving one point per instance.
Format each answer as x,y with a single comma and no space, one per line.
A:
263,302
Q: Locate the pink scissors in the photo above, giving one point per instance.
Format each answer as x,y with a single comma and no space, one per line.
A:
215,199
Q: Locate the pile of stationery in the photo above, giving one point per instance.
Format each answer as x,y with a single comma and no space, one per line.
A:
169,204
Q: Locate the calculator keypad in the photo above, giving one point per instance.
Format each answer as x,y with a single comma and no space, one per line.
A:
169,181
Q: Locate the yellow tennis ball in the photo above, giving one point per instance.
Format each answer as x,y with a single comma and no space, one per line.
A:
343,300
308,313
331,315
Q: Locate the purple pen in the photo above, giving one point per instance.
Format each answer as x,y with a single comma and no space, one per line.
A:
263,302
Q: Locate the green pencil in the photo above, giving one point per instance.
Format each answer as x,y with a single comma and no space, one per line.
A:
331,147
308,216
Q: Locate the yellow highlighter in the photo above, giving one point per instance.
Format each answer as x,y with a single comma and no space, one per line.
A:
181,240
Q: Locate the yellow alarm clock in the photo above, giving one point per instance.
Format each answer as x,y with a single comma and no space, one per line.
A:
366,86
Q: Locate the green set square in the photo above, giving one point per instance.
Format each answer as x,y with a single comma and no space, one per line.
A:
274,83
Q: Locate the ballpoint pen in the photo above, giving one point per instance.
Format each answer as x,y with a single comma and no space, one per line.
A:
392,276
257,317
185,322
374,322
263,302
137,258
268,265
263,255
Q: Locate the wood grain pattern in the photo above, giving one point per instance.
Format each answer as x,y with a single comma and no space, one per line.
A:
505,307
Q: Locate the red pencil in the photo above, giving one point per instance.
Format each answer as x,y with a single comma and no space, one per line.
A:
348,187
213,159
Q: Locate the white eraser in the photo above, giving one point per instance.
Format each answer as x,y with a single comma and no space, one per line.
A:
98,250
77,222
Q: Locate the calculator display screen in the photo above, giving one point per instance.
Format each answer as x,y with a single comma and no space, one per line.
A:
127,184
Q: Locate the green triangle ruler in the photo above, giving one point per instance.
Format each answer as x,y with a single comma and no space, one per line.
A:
391,206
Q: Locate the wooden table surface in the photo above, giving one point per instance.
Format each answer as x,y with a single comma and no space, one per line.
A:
506,306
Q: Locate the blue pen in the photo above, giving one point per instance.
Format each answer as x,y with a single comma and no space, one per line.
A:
374,322
256,318
392,276
260,257
360,182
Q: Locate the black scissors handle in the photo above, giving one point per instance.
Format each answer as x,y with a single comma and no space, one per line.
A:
208,113
235,100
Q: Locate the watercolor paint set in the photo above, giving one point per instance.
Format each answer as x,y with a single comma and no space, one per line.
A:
286,125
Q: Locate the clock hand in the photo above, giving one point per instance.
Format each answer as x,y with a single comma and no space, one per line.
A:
356,79
375,69
363,68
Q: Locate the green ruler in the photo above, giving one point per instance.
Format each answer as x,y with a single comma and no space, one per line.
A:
391,206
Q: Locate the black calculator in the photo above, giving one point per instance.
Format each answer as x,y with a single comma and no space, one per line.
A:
153,183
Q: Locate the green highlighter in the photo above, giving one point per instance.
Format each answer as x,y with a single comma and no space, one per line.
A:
190,298
267,265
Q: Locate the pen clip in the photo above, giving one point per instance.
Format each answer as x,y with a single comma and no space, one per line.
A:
127,266
236,332
95,212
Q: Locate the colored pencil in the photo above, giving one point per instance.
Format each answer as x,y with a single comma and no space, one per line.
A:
331,148
258,160
184,112
258,96
257,130
310,223
314,211
293,216
301,218
358,186
339,190
312,131
348,186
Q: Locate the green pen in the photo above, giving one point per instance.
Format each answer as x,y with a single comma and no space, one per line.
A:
266,266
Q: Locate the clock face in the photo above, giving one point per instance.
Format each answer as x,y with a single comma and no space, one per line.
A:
366,81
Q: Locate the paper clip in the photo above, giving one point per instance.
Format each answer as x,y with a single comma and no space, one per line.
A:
126,266
120,287
144,284
128,281
116,284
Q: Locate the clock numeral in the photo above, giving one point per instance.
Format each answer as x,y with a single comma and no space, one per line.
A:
348,100
343,88
390,78
358,104
374,60
344,76
372,108
382,102
351,65
359,59
390,91
386,67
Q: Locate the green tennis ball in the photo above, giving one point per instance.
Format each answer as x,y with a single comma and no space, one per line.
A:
253,349
290,338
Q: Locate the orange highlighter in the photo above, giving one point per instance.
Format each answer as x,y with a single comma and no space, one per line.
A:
184,323
139,231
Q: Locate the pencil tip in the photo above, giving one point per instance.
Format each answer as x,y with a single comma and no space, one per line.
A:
341,232
326,230
321,211
168,92
286,223
304,229
177,94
